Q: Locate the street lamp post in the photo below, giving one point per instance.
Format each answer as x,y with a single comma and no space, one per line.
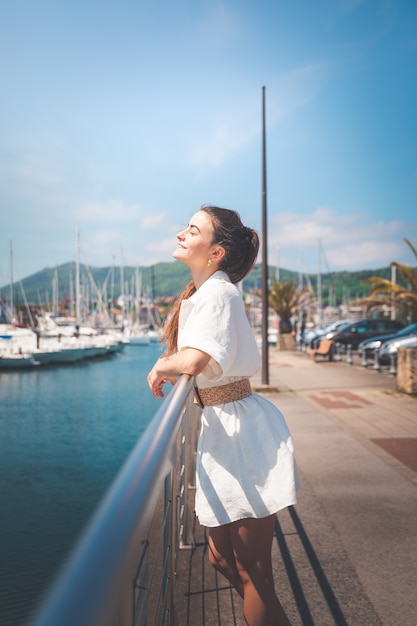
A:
265,360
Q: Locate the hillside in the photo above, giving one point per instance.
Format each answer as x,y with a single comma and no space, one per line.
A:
167,279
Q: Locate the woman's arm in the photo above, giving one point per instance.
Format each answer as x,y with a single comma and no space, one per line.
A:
187,361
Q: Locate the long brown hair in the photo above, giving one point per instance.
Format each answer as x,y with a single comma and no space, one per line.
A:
241,244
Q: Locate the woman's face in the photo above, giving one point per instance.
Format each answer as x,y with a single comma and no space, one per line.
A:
194,242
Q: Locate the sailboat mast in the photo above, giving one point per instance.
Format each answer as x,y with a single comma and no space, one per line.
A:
319,301
77,277
138,293
55,292
122,286
71,296
11,281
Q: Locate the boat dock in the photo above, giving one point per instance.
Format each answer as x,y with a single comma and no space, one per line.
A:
346,554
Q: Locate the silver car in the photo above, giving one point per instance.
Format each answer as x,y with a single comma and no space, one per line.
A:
368,347
391,346
311,337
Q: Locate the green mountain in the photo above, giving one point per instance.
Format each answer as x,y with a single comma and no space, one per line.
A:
167,279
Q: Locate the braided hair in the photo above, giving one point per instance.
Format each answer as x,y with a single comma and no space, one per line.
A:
241,245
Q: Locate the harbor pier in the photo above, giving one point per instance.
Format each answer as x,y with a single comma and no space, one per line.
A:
346,554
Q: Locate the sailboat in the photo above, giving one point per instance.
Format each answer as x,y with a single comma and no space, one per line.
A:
143,333
12,354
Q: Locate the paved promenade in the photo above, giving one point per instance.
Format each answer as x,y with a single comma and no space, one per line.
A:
346,554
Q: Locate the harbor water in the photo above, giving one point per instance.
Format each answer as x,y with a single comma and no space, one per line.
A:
65,432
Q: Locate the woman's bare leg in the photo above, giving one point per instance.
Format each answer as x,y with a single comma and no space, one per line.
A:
221,556
241,551
252,543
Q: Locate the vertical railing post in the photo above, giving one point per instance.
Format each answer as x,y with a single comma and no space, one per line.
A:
349,359
393,368
191,418
171,551
165,547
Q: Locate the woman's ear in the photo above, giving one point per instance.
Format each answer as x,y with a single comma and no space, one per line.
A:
218,253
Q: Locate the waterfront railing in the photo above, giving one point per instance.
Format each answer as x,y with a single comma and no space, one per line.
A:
123,570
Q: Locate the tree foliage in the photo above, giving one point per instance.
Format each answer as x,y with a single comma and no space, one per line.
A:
389,293
168,279
285,298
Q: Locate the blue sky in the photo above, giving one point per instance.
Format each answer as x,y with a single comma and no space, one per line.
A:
122,118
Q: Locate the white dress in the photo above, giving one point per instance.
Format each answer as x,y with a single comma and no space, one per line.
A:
245,456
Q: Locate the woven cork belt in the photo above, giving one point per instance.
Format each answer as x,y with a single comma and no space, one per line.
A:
224,393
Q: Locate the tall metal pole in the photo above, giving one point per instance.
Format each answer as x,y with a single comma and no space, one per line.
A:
393,280
265,360
11,283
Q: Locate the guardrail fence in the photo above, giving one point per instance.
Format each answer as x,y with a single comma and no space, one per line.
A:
123,571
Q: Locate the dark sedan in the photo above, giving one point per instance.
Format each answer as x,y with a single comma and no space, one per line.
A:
356,332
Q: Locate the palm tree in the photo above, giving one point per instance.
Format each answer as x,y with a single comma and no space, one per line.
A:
285,298
387,292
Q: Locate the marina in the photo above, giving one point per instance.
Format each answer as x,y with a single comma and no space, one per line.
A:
54,344
65,432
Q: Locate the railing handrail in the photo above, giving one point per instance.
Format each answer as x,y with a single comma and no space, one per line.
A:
87,592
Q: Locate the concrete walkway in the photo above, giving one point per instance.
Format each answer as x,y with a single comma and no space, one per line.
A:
346,554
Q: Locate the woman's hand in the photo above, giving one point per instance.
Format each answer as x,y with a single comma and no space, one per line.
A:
187,361
157,379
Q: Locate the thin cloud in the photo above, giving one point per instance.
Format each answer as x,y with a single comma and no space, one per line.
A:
112,210
221,21
349,6
347,242
29,172
226,137
157,251
151,221
367,253
224,142
293,90
102,247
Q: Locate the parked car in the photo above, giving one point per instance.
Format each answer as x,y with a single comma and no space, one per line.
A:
357,331
311,337
368,347
391,346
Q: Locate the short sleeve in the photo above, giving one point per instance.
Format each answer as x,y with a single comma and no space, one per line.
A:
211,326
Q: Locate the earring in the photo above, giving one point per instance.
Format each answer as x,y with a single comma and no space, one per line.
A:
209,263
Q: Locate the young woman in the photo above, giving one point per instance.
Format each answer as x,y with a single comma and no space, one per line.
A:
245,464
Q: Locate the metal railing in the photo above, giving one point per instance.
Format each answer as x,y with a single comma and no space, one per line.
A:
123,570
